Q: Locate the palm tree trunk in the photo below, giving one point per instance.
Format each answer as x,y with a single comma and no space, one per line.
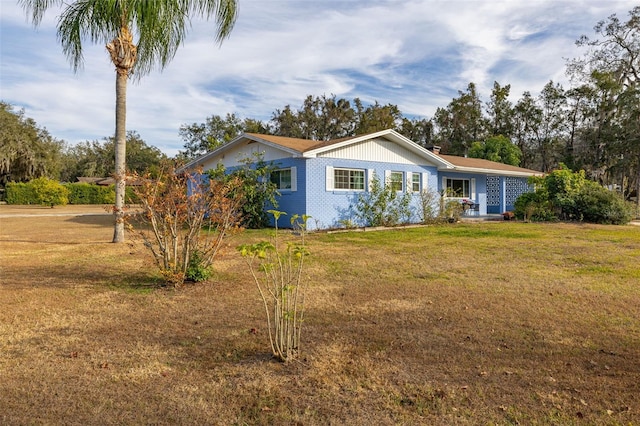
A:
121,149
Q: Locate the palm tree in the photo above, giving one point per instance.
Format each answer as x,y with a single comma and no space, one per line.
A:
161,27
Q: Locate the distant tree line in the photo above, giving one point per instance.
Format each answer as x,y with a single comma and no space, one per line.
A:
593,126
28,151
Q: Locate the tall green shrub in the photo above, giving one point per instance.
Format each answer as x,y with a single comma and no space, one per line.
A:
564,194
599,205
20,193
49,192
382,206
258,191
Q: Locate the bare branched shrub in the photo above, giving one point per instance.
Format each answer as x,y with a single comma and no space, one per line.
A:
185,220
429,199
277,273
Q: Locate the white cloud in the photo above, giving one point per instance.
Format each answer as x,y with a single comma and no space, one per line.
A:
415,54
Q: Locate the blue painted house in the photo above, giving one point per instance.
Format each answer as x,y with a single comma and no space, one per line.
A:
324,178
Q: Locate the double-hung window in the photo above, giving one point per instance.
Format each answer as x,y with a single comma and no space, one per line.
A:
415,182
350,179
396,181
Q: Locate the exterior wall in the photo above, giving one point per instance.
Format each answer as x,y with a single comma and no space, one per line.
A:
479,181
514,187
329,207
506,190
292,202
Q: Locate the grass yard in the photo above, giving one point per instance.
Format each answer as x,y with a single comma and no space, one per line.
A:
484,323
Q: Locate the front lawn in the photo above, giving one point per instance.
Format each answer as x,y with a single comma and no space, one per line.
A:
483,323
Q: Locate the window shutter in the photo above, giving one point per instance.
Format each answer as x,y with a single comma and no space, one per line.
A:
409,180
444,186
294,178
387,177
425,181
329,178
473,189
370,174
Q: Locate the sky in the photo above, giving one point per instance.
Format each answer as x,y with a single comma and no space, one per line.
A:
416,54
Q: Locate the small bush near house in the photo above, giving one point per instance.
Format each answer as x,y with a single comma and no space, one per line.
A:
382,206
453,210
428,205
567,195
258,191
533,207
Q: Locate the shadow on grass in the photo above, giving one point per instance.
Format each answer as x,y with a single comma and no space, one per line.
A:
105,220
95,276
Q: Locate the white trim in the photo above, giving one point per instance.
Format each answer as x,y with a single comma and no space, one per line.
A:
493,172
329,179
349,169
294,178
472,189
370,174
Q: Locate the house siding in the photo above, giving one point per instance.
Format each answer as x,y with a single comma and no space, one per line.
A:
292,202
329,207
381,150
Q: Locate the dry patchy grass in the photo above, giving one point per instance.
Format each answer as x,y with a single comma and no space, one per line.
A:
490,323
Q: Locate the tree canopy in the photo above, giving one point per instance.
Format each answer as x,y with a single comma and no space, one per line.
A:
26,150
496,148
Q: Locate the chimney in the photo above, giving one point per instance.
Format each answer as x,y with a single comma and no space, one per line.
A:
435,149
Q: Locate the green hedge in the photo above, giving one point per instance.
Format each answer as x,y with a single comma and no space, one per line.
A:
79,193
85,193
20,193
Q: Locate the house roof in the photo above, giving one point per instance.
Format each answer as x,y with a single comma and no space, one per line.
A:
297,144
309,148
479,165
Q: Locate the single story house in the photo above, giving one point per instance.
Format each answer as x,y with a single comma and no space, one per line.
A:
324,178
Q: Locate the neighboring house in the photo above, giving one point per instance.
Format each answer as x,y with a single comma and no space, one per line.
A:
97,180
324,178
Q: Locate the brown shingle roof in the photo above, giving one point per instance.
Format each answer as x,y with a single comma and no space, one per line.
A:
300,145
479,163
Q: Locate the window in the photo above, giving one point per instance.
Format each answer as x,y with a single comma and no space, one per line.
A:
459,188
415,182
352,179
396,181
284,179
281,178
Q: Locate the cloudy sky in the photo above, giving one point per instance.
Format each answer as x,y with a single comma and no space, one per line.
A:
416,54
